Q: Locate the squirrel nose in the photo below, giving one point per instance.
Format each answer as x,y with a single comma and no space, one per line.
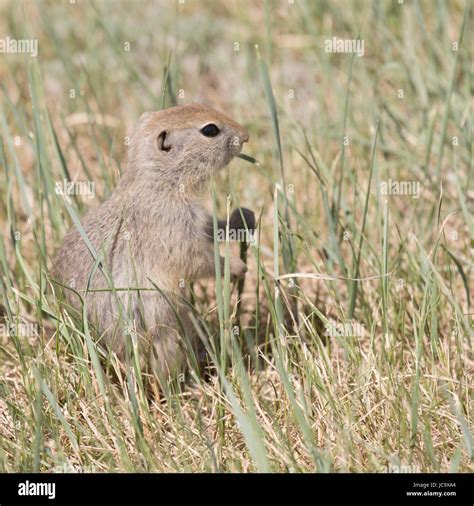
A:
244,136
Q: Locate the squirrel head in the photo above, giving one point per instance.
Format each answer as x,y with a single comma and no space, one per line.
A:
185,144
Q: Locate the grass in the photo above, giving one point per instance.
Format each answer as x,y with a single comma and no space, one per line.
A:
350,346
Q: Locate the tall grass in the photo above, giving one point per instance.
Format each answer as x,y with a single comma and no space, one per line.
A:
349,348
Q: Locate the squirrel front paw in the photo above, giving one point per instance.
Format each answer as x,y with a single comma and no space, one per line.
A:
237,268
236,222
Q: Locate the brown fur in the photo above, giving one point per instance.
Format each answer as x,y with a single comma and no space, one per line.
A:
153,230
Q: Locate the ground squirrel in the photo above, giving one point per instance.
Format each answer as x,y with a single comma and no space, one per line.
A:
153,231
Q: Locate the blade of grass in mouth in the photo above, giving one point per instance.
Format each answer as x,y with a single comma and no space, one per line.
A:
248,158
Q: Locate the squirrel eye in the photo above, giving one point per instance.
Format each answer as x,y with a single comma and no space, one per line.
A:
210,130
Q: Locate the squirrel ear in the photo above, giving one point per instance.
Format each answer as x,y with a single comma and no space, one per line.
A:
162,141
